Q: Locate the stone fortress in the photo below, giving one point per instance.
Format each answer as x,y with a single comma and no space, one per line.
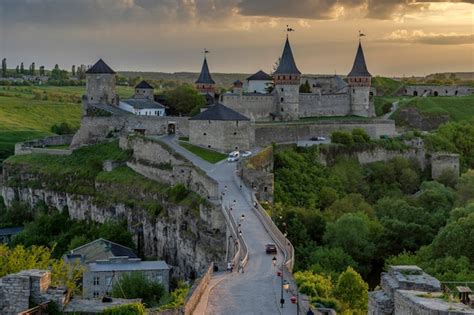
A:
328,97
239,120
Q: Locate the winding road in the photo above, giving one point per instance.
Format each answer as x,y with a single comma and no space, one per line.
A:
258,289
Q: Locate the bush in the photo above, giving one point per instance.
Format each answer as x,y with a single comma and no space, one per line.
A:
127,309
342,137
137,285
360,136
62,129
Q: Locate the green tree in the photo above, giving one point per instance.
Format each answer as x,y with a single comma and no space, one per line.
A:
313,284
342,137
22,68
62,129
73,70
41,71
330,261
32,69
360,135
465,188
137,285
305,87
455,239
351,290
357,235
184,100
17,70
351,203
4,67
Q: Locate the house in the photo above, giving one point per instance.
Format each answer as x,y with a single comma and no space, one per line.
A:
106,262
143,102
259,82
6,234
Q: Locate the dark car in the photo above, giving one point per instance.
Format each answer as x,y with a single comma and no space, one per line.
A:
271,249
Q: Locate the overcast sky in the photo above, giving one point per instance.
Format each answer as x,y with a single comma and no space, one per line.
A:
404,37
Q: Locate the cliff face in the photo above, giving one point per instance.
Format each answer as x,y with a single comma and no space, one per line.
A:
188,234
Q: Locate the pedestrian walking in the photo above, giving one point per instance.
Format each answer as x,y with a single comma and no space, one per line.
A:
241,266
229,267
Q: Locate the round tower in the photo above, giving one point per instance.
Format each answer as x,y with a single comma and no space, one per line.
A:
359,80
100,84
287,83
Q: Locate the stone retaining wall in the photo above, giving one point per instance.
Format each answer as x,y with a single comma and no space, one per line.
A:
41,146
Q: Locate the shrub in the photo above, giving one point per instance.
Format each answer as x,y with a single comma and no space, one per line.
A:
137,285
342,137
127,309
360,136
62,129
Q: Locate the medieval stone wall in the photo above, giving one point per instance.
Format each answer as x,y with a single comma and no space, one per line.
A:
437,90
266,133
254,106
96,129
312,105
221,135
442,162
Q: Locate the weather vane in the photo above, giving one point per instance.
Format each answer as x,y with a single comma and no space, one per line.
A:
205,52
361,34
289,29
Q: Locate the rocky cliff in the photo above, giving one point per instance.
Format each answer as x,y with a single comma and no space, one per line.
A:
168,222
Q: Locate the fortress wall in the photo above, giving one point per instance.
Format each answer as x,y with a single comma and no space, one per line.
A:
258,107
95,129
267,133
441,162
312,105
442,90
154,160
223,136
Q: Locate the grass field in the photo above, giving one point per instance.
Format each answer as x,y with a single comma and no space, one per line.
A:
459,108
29,112
205,154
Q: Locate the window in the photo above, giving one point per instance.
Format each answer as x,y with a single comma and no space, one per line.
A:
108,281
96,294
96,280
159,279
235,133
204,134
281,99
282,89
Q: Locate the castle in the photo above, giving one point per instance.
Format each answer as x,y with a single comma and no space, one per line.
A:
328,96
269,109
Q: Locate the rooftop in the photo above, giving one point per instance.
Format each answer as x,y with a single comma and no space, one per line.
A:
100,67
130,265
205,75
10,231
144,85
100,249
287,63
260,76
359,69
219,112
143,103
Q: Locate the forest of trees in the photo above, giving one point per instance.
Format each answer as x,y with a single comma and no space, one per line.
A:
365,217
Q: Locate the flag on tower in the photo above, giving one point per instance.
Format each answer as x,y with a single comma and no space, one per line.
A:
289,29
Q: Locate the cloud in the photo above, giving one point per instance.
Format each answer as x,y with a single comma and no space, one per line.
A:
420,37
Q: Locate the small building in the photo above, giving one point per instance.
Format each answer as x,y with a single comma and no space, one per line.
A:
6,234
222,129
143,102
101,275
259,82
105,262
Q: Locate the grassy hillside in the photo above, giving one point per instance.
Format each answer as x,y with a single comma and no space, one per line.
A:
386,86
458,108
29,112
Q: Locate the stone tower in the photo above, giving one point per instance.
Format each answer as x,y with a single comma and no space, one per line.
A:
144,90
100,85
359,80
205,84
287,83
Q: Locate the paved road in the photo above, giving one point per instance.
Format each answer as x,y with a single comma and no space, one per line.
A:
257,290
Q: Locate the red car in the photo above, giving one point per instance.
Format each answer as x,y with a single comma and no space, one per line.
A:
271,249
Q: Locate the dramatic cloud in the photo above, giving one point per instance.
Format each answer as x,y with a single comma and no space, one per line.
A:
419,36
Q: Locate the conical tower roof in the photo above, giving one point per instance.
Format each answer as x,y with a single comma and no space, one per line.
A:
287,62
359,69
205,75
100,67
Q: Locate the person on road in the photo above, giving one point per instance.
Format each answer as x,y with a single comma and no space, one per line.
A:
241,266
229,267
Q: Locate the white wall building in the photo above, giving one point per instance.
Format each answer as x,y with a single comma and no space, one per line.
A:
259,82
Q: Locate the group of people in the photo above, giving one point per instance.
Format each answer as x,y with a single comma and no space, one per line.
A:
230,266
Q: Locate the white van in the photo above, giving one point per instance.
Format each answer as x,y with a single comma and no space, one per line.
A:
233,156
